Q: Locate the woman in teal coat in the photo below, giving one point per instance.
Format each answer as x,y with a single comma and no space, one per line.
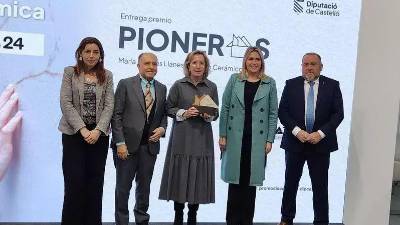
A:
248,122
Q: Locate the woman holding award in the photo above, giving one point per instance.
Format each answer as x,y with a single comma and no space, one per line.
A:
247,126
188,174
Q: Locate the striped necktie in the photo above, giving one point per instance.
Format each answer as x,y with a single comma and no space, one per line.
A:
310,108
148,99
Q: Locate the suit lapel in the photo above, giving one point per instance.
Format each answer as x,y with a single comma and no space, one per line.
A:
137,89
321,93
157,89
300,100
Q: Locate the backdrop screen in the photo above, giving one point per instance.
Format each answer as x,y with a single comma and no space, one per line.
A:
39,38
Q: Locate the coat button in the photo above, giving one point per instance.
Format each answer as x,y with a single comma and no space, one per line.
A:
233,106
261,121
231,117
229,128
261,132
261,110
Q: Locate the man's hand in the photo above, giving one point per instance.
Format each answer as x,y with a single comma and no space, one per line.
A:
314,138
268,147
122,151
8,125
303,136
156,134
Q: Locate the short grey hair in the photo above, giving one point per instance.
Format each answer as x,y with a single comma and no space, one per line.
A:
146,53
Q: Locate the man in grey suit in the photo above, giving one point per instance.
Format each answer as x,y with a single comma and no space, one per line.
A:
138,122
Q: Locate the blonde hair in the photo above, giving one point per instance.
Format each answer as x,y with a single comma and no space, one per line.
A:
249,50
189,58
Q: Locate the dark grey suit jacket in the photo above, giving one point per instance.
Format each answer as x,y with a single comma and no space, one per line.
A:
130,115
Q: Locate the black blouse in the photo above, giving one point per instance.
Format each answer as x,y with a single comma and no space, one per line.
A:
250,90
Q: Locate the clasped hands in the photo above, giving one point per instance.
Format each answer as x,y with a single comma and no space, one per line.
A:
312,138
90,136
193,112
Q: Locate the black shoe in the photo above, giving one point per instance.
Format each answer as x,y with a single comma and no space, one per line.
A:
178,207
178,220
192,214
192,220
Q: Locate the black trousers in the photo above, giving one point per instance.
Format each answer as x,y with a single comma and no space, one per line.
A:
83,168
318,165
242,197
240,206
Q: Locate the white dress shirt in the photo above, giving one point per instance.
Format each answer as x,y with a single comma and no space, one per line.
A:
297,129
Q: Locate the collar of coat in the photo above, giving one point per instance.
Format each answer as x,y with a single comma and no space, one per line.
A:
187,79
264,78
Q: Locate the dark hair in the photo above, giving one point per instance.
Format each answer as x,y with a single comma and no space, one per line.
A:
98,68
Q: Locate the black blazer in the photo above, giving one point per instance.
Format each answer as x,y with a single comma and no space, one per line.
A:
328,113
129,115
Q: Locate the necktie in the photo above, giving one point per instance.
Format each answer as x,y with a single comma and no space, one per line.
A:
148,99
310,108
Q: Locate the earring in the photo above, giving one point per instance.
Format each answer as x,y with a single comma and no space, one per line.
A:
80,58
100,60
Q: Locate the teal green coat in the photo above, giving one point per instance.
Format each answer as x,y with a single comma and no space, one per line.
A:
231,122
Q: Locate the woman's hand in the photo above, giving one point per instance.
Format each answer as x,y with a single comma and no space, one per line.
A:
268,147
222,143
205,116
93,136
191,112
84,132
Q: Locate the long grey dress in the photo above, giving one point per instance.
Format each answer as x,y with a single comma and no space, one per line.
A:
188,174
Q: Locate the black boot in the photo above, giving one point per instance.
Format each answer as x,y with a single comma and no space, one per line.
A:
178,207
192,214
